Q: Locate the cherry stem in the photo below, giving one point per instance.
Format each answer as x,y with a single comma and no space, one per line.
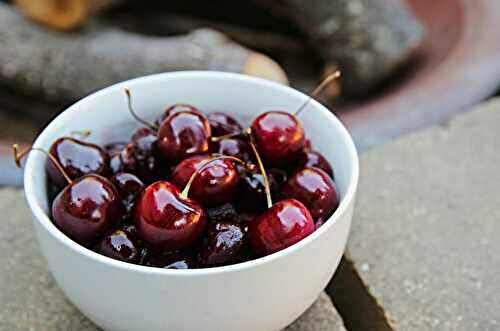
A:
185,191
267,186
19,155
134,114
226,136
324,83
81,133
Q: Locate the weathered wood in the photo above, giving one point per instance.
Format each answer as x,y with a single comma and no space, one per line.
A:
368,39
68,66
62,14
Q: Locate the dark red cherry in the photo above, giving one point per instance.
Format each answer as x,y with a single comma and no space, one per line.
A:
177,108
222,245
128,186
285,223
167,220
215,184
77,158
223,124
184,134
170,260
252,192
315,189
139,157
279,137
315,159
87,208
114,155
221,213
119,245
232,147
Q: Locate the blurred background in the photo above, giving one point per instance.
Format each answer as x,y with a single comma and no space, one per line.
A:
406,64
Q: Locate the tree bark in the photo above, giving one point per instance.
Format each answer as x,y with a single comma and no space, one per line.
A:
368,39
68,66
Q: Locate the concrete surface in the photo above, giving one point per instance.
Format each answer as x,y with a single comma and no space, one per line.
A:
425,237
31,300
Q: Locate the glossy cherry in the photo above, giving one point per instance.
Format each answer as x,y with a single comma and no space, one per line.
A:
222,245
215,184
85,209
170,260
119,245
139,156
77,158
232,147
176,108
166,219
114,155
279,137
315,159
223,124
316,190
284,224
184,134
128,186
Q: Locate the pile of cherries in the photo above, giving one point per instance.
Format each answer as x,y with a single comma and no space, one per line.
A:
192,190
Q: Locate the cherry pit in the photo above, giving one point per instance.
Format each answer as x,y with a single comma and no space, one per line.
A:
192,190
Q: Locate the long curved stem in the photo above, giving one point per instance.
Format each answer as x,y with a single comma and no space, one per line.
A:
134,114
19,155
324,83
267,186
185,191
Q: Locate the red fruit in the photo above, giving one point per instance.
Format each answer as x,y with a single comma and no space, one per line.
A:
119,245
222,245
139,157
223,124
285,223
114,155
315,159
87,208
184,134
177,108
279,137
232,147
315,189
216,184
77,158
128,186
167,220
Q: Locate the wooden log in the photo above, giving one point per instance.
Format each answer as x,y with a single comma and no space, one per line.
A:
62,14
68,66
368,39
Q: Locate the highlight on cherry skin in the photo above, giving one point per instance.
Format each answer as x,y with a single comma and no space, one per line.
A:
194,189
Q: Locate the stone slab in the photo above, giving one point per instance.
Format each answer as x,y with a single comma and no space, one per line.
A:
31,300
425,236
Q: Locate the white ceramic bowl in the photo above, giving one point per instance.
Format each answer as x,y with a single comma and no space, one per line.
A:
263,294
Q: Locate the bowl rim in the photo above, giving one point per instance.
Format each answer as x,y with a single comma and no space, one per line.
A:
33,162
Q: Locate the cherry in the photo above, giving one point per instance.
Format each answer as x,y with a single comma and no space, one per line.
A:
139,156
222,245
316,190
86,208
128,186
170,260
279,137
232,147
114,155
77,158
225,212
177,108
315,159
184,134
119,245
285,223
167,219
223,124
215,184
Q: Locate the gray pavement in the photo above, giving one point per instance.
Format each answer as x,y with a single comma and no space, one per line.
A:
425,236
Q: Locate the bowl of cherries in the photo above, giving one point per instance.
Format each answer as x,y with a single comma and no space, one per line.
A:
199,200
